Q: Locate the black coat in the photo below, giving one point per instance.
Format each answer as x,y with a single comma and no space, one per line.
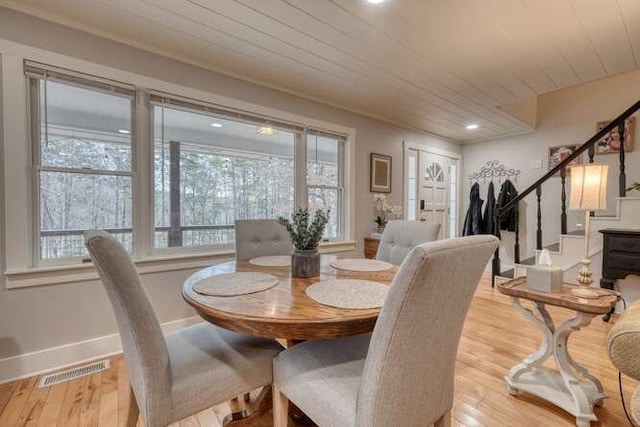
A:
473,219
507,193
489,211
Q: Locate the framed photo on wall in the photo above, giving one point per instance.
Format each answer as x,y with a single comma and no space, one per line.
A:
611,142
558,153
380,173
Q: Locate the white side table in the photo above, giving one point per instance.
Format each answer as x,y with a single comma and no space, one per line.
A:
570,387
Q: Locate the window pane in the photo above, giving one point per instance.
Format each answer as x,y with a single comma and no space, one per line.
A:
84,128
325,198
71,203
322,160
223,170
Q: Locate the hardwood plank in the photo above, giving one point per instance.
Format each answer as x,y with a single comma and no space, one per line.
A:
13,408
108,414
90,404
53,405
124,390
71,405
208,418
6,391
34,406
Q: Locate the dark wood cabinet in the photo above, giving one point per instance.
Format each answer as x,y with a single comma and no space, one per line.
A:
620,256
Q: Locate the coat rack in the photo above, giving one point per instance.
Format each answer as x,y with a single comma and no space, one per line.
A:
494,169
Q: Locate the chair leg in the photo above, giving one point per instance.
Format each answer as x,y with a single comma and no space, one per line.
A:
444,420
280,408
133,411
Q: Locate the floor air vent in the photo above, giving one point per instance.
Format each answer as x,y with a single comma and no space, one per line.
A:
74,373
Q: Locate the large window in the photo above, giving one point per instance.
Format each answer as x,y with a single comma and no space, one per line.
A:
82,162
206,167
211,170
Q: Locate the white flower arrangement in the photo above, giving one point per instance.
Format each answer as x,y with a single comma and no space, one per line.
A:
383,209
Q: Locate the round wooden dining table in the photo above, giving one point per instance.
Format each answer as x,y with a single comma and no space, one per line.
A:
284,311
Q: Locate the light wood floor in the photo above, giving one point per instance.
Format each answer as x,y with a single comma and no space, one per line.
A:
495,338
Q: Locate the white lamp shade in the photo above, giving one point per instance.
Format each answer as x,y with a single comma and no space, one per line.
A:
588,187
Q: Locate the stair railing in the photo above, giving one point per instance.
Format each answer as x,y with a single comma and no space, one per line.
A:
588,146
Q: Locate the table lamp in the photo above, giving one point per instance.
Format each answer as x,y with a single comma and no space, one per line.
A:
588,193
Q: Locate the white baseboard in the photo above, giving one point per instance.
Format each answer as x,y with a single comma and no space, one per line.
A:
37,362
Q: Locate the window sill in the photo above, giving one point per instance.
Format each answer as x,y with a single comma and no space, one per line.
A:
55,275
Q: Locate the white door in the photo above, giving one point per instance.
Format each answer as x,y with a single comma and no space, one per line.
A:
437,191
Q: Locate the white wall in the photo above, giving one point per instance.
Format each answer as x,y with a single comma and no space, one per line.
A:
38,318
567,116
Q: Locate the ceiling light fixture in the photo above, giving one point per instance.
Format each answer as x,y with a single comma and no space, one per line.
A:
266,130
124,131
375,1
216,125
472,127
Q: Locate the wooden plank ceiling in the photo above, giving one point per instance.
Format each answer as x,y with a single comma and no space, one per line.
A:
430,65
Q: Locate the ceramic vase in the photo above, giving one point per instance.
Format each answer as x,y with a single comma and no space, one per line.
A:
305,263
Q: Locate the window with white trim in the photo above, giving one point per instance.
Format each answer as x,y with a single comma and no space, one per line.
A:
210,166
211,169
82,162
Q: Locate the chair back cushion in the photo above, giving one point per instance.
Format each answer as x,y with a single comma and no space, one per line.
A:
145,349
261,237
399,237
408,373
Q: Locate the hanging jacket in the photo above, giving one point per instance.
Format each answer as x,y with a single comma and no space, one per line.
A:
473,219
489,210
507,193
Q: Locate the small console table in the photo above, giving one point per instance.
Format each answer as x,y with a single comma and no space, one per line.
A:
620,257
571,386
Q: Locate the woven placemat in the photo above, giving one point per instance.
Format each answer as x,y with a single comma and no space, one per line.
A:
349,293
360,264
230,284
272,261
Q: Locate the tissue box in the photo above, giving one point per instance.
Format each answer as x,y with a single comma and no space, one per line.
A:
544,278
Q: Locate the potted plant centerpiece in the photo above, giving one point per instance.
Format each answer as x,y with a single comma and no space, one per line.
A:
305,259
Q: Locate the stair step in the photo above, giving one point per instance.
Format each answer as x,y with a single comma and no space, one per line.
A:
554,247
509,274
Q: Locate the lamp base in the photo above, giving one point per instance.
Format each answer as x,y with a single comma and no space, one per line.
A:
585,274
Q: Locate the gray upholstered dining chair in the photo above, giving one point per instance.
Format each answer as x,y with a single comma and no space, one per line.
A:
261,237
185,372
402,374
400,236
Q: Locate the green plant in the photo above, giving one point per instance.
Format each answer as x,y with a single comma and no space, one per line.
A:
305,235
635,186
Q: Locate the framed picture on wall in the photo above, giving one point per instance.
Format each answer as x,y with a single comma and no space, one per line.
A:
611,142
380,173
558,153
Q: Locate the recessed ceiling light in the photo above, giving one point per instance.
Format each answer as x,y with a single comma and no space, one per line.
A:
266,130
216,125
375,1
126,132
472,126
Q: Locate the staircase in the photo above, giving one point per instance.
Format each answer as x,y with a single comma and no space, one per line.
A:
567,253
569,249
